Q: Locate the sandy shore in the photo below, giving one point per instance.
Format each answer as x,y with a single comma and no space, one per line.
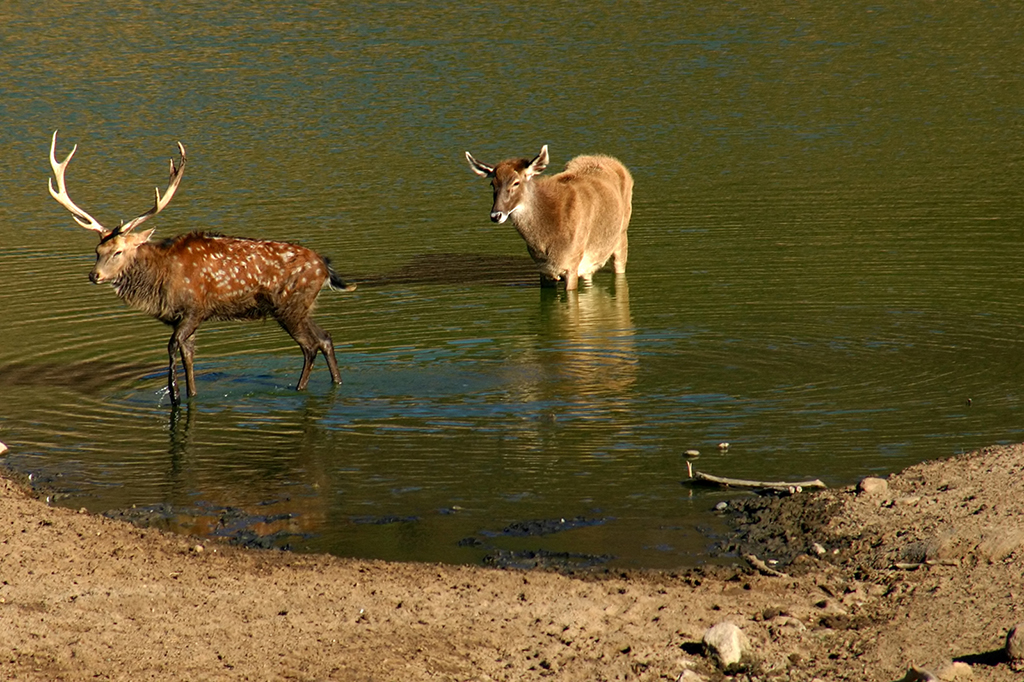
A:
929,571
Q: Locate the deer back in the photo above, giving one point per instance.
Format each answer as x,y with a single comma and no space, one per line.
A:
588,205
216,277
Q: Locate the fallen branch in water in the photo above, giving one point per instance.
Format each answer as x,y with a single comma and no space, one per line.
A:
784,486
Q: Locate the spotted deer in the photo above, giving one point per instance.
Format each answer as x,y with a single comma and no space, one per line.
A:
574,221
188,279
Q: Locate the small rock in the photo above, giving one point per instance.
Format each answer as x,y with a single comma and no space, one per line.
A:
3,449
817,549
692,453
999,544
198,549
1015,646
956,671
788,623
723,446
721,506
872,486
727,644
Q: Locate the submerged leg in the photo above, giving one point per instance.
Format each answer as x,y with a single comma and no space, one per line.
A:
621,254
326,344
311,339
308,356
183,341
188,353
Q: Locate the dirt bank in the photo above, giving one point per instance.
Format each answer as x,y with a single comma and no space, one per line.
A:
928,571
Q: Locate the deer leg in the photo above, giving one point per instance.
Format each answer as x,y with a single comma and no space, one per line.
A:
183,341
172,379
306,338
326,345
188,352
572,275
308,356
620,255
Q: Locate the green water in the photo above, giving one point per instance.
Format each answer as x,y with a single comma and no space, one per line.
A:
825,262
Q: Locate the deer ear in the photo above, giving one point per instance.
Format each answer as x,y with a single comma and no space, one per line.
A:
481,169
144,236
539,163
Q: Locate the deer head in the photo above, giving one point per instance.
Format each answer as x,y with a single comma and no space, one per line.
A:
117,247
510,181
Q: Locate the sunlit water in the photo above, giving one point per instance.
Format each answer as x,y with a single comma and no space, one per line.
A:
825,266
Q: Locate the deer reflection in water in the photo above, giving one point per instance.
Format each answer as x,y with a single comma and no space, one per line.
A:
293,444
587,352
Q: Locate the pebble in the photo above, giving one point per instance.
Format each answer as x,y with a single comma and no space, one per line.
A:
721,506
692,453
956,670
3,448
872,485
727,644
723,446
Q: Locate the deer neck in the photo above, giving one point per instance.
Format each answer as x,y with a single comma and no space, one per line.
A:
140,284
533,205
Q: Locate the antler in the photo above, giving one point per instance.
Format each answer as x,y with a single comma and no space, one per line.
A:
161,201
86,220
81,217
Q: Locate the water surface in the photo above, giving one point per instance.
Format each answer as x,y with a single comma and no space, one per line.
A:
824,268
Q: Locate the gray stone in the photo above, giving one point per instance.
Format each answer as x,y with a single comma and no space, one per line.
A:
727,644
872,486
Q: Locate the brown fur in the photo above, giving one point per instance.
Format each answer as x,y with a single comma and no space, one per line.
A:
195,277
572,222
186,280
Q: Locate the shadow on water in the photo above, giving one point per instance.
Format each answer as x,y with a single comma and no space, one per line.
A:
457,268
89,377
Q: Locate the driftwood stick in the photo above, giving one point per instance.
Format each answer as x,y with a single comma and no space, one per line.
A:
763,567
788,486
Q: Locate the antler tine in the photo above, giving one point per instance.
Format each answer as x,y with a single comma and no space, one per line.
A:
81,217
161,201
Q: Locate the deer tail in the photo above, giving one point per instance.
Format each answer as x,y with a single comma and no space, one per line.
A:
336,281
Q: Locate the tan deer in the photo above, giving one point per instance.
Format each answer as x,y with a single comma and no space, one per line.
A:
573,222
183,281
